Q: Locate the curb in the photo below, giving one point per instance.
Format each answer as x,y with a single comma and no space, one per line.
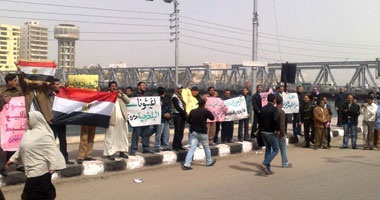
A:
100,166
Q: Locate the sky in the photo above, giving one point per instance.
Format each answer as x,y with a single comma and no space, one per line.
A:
289,30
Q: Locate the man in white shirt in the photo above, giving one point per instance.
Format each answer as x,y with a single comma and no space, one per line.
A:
369,116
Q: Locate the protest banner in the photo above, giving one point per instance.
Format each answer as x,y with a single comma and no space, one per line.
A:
264,97
290,103
144,111
237,109
88,82
13,123
189,99
216,106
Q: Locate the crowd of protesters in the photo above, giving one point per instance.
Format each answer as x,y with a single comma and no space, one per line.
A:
269,127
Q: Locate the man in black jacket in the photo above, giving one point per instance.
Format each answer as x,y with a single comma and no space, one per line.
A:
163,131
256,104
351,112
296,116
269,123
179,117
339,101
306,113
198,133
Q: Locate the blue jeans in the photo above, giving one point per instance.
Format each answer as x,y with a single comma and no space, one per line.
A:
296,127
164,133
347,127
144,132
284,153
195,139
271,148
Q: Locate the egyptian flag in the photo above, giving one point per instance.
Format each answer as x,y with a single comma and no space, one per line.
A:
37,71
83,107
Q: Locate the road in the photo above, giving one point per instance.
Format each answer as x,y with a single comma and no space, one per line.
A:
322,174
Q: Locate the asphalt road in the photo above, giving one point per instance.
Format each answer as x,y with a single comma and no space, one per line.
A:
322,174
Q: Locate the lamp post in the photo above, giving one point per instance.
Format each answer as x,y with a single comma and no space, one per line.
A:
176,34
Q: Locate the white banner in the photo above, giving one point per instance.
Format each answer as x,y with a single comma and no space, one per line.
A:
144,111
237,109
290,103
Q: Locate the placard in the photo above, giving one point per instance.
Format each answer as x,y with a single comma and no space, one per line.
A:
237,109
264,97
189,99
290,103
13,123
144,111
88,82
216,106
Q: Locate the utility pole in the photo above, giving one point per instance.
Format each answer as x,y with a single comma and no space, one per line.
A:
176,38
255,22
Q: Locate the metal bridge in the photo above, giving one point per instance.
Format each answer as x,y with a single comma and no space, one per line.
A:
237,76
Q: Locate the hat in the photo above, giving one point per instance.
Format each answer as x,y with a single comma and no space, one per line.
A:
195,88
179,86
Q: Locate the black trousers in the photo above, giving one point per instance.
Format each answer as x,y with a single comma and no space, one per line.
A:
179,127
39,188
306,129
328,137
255,124
243,124
217,130
227,131
60,132
340,117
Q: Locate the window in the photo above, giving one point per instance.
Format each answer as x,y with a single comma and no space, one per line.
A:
63,56
3,57
3,33
62,63
3,62
3,28
7,66
67,43
4,43
67,56
67,63
3,47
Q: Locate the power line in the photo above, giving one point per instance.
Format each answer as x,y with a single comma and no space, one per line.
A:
88,22
219,29
117,40
275,19
217,24
221,36
84,7
197,38
120,33
82,15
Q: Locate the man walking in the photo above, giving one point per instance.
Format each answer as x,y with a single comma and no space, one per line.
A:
59,130
269,123
321,118
369,116
141,131
197,120
163,131
339,101
351,112
282,135
243,123
256,104
116,138
227,126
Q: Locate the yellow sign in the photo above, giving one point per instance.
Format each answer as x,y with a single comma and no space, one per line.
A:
89,82
189,99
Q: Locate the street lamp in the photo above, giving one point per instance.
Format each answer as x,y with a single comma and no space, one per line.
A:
176,33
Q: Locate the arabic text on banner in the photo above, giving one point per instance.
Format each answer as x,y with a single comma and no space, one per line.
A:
13,123
144,111
88,82
290,103
217,108
237,109
189,99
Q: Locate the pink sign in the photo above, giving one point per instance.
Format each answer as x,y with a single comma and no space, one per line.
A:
216,106
13,123
264,96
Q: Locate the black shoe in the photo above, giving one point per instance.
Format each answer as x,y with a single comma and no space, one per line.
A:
111,157
354,148
343,147
89,159
326,147
157,151
69,162
230,141
132,154
224,142
146,151
166,150
123,155
186,168
80,161
3,172
307,146
212,164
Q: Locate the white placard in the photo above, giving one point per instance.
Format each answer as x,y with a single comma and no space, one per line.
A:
290,103
237,109
144,111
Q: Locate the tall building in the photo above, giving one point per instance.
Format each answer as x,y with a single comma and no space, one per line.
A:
34,41
66,34
9,47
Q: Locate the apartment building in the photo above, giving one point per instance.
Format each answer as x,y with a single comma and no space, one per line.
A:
34,42
9,47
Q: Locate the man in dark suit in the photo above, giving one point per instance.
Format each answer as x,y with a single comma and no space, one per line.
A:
256,104
339,101
351,112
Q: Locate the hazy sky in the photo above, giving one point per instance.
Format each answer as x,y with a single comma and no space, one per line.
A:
353,23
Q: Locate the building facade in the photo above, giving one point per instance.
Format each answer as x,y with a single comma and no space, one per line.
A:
34,42
66,34
9,47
